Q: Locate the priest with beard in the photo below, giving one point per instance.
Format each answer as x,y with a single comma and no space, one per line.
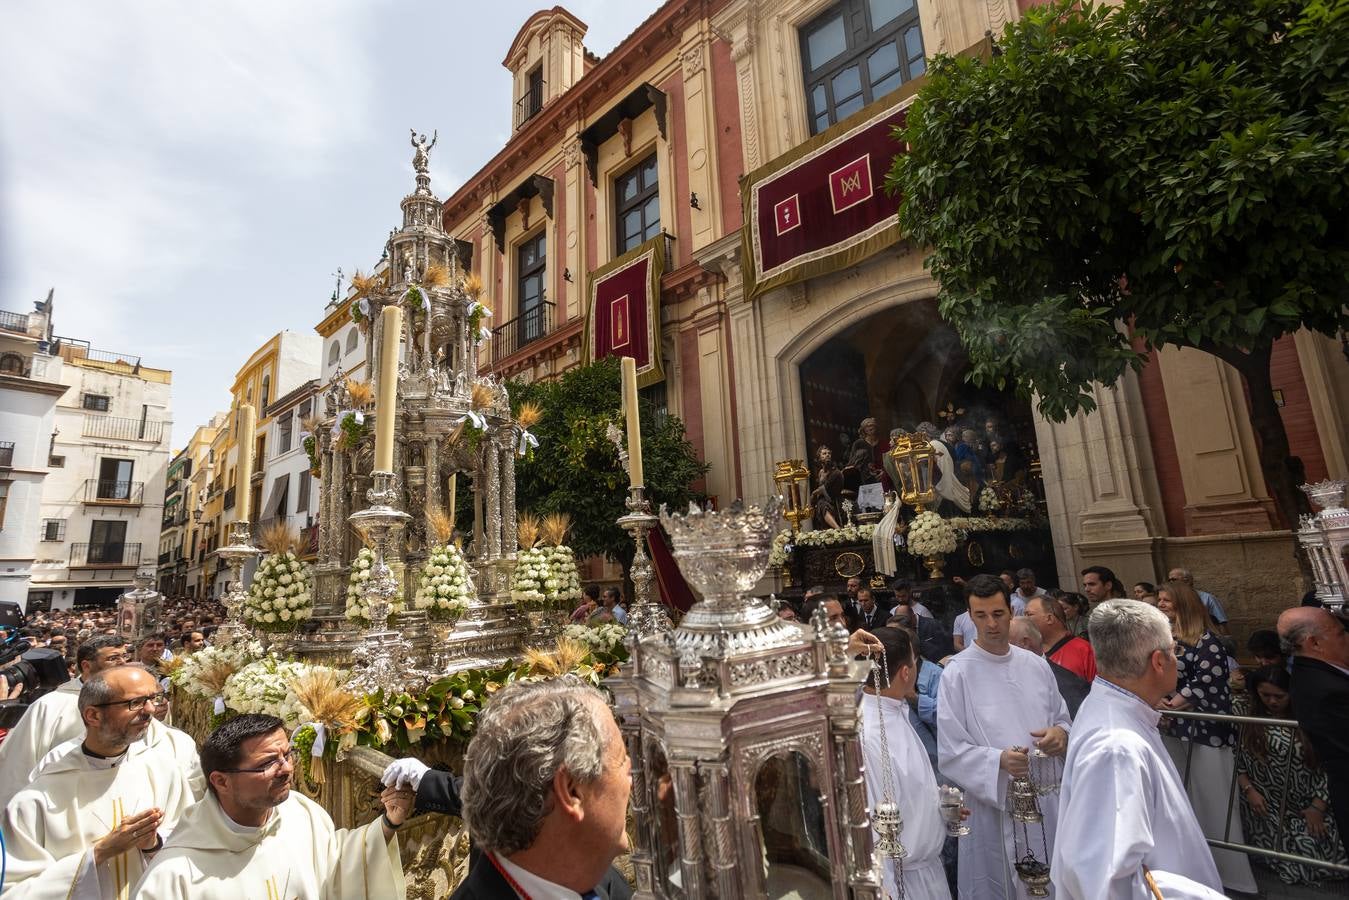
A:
1129,830
89,823
53,718
255,837
997,701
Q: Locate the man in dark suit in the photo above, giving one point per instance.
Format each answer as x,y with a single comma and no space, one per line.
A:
545,795
1319,646
870,616
934,639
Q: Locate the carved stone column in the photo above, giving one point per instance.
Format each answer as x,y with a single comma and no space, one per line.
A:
719,829
492,453
433,498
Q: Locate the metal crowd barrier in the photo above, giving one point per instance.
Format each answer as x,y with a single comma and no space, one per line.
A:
1226,843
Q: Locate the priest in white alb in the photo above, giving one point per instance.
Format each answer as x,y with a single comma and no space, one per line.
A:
997,703
254,837
1122,801
88,823
895,758
53,718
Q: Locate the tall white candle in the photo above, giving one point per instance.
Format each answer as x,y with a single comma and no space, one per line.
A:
454,497
391,325
243,487
633,422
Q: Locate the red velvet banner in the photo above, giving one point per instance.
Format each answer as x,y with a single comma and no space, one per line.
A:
623,315
806,210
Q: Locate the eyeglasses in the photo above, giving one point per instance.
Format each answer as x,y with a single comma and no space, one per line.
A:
270,768
115,659
136,704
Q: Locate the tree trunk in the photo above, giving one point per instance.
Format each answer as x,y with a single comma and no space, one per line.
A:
1273,440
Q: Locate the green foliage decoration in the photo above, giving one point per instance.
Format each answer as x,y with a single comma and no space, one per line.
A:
575,468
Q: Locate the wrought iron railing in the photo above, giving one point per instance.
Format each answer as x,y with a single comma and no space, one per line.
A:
71,349
165,557
12,321
1278,801
120,429
108,553
6,454
229,499
529,105
523,330
102,490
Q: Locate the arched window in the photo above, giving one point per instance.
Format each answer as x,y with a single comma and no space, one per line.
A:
334,353
266,391
11,364
352,337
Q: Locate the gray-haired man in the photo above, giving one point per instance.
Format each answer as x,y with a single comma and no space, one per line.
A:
1117,762
546,785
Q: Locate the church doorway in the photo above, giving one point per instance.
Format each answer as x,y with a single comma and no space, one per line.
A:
904,368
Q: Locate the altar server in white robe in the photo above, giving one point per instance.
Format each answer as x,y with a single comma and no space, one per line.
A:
1123,811
53,718
255,837
997,701
86,826
914,785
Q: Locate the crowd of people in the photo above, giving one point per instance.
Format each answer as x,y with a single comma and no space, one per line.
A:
1229,772
1102,693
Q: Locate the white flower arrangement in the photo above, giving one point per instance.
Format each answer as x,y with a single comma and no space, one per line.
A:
531,570
279,598
602,638
824,537
361,567
988,500
446,586
545,576
931,535
211,661
265,687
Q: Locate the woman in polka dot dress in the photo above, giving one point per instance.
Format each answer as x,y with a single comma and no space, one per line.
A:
1203,750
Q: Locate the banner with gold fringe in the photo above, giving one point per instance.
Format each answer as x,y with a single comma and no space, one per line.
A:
623,310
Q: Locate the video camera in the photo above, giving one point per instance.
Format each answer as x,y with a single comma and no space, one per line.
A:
39,671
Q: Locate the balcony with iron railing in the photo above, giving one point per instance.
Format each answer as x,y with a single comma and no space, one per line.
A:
12,321
120,429
108,553
76,350
114,493
6,454
516,334
229,499
529,105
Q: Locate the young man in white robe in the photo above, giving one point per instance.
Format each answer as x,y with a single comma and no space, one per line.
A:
86,826
913,783
997,702
1122,800
254,837
53,718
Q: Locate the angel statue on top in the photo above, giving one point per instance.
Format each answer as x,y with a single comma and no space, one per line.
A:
421,160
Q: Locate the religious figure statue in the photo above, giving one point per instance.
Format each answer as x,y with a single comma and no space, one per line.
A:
866,457
409,267
421,159
827,496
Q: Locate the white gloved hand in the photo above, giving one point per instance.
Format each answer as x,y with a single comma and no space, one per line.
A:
406,772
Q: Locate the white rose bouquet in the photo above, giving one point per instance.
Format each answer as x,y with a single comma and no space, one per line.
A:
265,687
930,535
204,674
361,567
563,584
602,638
446,586
280,598
531,571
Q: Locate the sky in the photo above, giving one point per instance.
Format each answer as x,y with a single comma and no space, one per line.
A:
189,176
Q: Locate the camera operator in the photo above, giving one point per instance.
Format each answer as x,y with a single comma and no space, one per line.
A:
52,718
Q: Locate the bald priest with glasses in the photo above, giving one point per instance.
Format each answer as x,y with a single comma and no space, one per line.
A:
93,817
254,837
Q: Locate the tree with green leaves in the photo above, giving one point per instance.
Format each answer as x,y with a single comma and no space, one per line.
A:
575,468
1113,179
